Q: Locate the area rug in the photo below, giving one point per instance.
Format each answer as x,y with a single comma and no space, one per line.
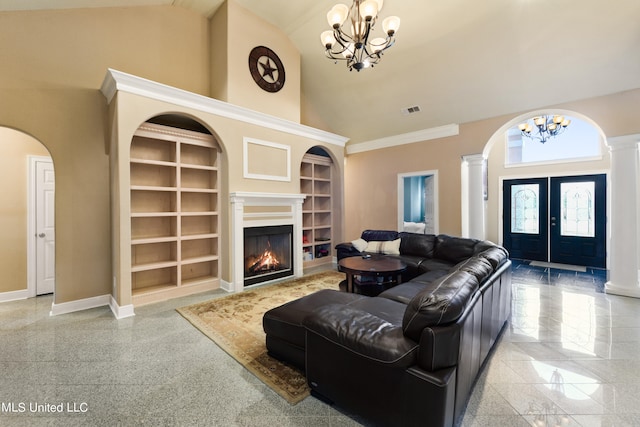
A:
234,322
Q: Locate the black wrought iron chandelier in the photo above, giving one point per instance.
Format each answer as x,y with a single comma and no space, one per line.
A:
354,45
545,126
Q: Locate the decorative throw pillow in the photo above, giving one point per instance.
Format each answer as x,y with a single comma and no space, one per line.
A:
359,244
391,247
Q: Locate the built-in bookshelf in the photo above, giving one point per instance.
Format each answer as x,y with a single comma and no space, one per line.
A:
175,242
317,212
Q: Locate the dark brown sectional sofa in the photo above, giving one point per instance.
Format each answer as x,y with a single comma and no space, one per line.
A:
410,355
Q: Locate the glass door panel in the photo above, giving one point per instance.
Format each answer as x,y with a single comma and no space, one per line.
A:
578,220
525,231
577,209
525,202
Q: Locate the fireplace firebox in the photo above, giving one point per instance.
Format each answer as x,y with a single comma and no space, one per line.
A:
268,253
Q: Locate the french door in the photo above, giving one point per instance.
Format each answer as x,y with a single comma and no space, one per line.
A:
557,219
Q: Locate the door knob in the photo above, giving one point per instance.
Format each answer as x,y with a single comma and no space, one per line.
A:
41,235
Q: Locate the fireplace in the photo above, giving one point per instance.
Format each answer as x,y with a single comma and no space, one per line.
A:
268,253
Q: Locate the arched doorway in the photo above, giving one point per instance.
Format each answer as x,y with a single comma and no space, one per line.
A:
27,220
509,164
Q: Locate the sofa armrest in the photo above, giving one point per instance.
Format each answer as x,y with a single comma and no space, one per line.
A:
439,347
362,334
347,247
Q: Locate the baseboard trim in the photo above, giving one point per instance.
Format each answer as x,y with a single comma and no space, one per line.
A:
121,312
14,295
79,305
226,286
623,291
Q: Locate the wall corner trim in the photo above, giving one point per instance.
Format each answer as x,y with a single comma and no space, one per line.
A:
120,312
405,138
115,81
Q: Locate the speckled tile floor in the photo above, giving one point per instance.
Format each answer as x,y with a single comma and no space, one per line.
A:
570,356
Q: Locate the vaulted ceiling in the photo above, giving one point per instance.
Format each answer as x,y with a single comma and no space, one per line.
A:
458,60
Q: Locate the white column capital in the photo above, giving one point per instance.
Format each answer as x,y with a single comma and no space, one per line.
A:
623,142
474,159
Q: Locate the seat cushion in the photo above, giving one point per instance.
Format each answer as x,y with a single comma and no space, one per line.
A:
362,333
405,292
285,321
436,264
389,310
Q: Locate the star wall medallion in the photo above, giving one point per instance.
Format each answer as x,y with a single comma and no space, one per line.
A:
266,69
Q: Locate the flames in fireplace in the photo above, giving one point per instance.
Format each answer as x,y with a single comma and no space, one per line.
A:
265,262
267,253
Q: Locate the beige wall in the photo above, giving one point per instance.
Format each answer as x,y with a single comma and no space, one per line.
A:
371,177
50,89
53,65
15,147
219,45
244,31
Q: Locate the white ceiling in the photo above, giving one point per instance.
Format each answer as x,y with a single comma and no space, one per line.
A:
459,60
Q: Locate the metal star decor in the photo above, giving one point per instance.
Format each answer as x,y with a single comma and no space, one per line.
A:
267,68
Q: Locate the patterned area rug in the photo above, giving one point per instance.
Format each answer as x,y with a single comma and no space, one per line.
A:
234,322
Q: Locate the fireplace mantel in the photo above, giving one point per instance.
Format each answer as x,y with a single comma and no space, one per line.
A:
290,213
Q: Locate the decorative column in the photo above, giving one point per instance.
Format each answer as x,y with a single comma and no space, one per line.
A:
298,267
623,218
473,211
237,242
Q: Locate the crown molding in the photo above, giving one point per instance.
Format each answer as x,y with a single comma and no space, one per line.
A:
405,138
115,81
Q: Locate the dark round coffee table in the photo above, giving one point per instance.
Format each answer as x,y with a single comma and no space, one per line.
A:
376,270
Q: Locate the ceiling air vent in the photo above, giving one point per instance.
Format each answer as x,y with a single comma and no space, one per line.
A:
410,110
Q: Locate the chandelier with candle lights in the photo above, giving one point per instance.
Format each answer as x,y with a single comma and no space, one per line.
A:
545,127
351,38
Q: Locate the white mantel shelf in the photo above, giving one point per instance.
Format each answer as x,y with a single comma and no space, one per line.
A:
241,220
274,199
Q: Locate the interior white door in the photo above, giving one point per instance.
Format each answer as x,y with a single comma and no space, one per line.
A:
45,227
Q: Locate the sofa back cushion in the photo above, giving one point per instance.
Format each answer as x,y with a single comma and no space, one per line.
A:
440,303
421,245
495,255
379,235
454,249
478,267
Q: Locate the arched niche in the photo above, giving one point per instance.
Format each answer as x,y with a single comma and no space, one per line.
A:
322,216
174,212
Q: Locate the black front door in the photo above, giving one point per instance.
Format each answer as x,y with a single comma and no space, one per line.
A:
525,223
578,220
559,219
